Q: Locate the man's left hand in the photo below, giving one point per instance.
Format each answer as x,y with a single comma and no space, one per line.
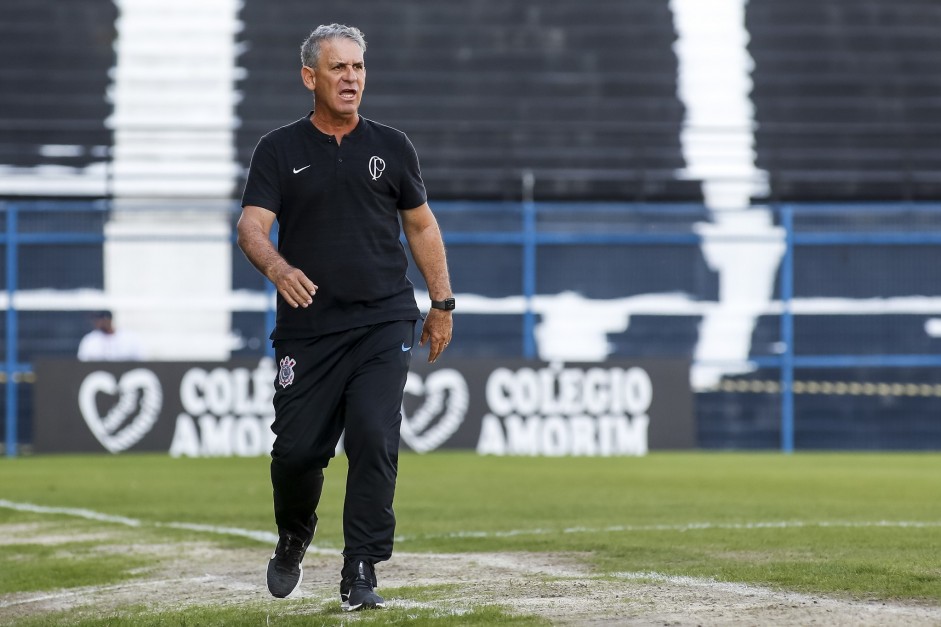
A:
437,332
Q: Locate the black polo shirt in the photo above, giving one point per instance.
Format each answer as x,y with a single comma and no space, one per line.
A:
337,210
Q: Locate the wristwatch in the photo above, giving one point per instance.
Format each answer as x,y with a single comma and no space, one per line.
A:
447,304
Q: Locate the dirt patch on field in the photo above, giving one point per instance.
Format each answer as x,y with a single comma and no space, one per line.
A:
559,587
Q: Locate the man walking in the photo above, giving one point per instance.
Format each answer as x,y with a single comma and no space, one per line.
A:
338,184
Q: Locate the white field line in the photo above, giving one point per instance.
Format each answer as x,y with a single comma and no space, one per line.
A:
770,595
267,537
707,582
70,511
82,592
701,526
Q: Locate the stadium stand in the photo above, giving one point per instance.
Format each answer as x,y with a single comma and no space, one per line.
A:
847,98
54,77
580,94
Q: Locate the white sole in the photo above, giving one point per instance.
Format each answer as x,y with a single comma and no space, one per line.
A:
346,607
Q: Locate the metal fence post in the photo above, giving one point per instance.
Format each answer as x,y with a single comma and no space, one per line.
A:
12,331
787,332
529,266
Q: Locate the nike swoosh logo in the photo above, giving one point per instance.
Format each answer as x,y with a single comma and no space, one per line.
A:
405,348
296,170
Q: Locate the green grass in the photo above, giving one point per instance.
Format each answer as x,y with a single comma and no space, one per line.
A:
622,514
26,567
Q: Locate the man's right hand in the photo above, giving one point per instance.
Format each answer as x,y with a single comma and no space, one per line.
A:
254,231
293,285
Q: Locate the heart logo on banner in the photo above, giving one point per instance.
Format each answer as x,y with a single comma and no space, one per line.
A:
137,391
446,399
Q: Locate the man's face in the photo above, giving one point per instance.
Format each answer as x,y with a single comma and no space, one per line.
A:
339,78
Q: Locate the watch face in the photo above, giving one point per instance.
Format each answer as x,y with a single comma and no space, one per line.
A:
447,304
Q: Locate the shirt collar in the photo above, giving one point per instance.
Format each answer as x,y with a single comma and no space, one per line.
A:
357,130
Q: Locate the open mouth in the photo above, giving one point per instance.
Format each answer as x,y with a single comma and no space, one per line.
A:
348,94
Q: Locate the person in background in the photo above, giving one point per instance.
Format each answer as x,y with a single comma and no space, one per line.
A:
338,184
105,343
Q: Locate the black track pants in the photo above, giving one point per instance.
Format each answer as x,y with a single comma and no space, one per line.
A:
354,381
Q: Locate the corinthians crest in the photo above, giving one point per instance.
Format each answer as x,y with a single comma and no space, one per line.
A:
286,371
376,167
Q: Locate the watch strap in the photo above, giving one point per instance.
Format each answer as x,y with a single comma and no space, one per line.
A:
447,304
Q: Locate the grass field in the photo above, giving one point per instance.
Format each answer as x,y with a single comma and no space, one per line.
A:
864,527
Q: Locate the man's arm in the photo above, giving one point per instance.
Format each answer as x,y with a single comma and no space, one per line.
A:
254,238
424,239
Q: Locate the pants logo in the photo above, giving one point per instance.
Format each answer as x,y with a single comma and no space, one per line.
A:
286,373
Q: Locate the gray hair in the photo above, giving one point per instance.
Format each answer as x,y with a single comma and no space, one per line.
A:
310,49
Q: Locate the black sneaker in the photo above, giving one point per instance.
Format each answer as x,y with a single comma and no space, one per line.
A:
356,587
285,572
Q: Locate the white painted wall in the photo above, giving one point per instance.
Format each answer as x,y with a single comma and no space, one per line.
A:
174,97
714,84
174,165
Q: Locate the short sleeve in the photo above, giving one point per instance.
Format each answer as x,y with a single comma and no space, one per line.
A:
263,187
411,188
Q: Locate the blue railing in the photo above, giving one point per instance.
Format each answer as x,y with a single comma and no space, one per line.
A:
789,360
13,367
530,237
